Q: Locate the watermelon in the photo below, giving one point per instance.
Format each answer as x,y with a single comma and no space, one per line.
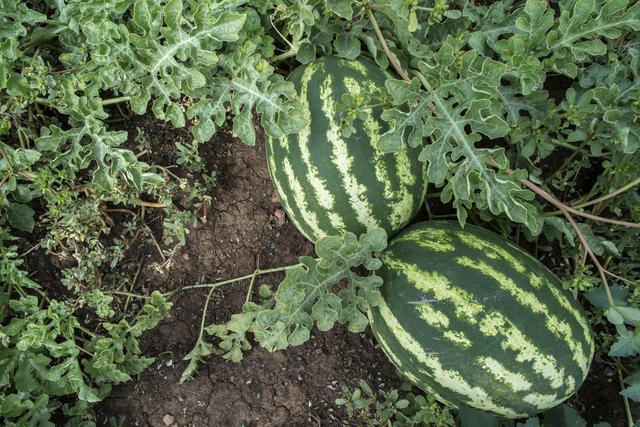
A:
329,184
475,320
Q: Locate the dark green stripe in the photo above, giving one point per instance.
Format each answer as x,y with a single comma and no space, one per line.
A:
278,175
299,167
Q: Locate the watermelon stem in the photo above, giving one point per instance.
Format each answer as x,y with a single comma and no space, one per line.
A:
392,58
257,272
627,408
566,211
284,39
600,199
288,54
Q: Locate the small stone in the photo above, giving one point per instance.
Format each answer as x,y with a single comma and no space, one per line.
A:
280,217
167,420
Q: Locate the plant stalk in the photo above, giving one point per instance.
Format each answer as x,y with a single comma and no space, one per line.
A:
256,273
285,55
392,58
627,407
603,198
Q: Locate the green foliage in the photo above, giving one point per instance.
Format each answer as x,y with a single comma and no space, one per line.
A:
404,408
304,299
560,416
48,352
389,407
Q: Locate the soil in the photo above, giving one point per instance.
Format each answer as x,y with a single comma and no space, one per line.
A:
244,230
296,387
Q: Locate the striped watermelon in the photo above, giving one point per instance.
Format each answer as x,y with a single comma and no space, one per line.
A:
479,322
329,184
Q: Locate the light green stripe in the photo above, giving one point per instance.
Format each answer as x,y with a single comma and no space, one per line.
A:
403,166
446,378
390,354
458,338
465,305
543,401
430,238
536,281
276,182
432,316
563,300
400,201
355,65
559,328
495,324
372,129
491,250
318,184
310,218
344,161
516,381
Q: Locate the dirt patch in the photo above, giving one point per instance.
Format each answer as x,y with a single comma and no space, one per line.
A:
296,387
598,399
243,230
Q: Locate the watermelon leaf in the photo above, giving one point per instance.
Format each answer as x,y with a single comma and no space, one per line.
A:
305,297
20,216
464,94
563,416
598,296
470,417
627,344
632,392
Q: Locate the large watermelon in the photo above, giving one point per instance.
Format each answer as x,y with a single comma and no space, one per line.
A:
479,322
329,184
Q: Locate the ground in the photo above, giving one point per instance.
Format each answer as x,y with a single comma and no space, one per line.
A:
296,387
293,387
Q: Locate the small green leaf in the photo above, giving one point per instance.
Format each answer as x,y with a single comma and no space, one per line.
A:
20,216
563,416
632,392
299,336
631,315
173,13
342,8
598,296
614,316
347,46
627,344
402,404
470,417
